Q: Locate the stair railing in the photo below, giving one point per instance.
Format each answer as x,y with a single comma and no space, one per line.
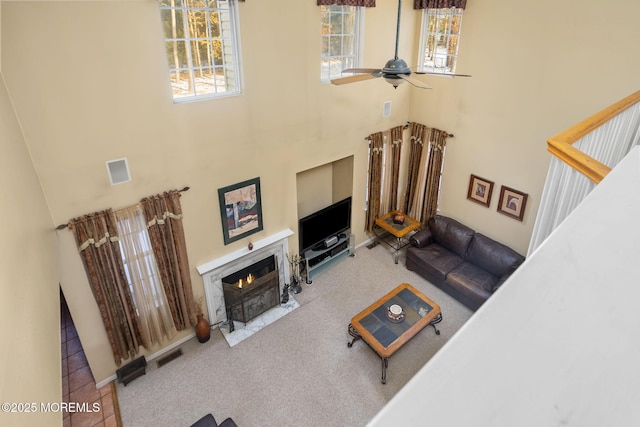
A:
601,128
582,156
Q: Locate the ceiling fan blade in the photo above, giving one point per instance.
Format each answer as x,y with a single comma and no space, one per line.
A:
352,79
362,70
442,74
416,83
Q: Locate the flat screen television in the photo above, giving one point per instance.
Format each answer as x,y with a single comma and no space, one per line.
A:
328,222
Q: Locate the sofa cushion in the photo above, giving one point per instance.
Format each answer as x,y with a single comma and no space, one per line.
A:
451,234
434,261
496,258
472,281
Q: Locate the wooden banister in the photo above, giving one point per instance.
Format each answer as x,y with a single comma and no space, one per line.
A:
560,145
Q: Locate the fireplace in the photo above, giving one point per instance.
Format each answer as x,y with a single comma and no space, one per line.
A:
252,290
213,271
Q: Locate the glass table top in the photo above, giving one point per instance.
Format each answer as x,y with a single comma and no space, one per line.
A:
386,330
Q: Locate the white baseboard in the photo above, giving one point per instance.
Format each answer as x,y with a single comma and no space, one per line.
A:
151,357
171,347
366,242
106,381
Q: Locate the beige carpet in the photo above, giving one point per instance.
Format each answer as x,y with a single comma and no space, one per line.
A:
298,371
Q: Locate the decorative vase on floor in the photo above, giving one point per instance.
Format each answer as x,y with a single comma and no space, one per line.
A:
203,329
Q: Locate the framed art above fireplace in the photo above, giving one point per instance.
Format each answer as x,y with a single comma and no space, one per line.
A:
240,210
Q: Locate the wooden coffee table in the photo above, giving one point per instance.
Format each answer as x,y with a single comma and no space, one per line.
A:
399,233
386,335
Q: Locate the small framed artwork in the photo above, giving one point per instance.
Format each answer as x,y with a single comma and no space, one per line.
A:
480,190
240,210
512,202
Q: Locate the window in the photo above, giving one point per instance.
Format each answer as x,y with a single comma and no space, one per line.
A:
440,39
201,46
149,298
341,28
137,256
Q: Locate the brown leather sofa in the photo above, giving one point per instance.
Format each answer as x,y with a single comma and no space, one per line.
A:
467,265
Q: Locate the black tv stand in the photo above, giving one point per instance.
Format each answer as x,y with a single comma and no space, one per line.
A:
321,259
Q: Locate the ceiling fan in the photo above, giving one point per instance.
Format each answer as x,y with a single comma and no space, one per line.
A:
395,71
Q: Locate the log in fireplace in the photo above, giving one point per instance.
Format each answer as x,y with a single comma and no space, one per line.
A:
252,290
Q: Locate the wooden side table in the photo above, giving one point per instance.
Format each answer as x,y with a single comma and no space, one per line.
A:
399,233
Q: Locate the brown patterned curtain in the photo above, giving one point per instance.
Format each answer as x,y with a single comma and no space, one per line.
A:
163,213
396,148
439,4
97,239
364,3
418,133
375,179
437,143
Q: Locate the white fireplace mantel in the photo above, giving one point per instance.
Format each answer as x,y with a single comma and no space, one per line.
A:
207,267
213,271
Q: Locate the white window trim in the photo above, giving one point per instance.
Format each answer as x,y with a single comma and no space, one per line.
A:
423,39
233,11
359,56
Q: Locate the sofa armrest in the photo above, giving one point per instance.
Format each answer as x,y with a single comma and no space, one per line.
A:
499,283
422,238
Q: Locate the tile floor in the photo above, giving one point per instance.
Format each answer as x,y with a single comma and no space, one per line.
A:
78,384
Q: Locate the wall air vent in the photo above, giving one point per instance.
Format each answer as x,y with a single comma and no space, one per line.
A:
118,171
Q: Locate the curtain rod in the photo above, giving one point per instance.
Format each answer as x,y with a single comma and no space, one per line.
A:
410,123
406,126
63,226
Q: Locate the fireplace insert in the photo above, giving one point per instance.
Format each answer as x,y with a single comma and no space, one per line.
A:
252,290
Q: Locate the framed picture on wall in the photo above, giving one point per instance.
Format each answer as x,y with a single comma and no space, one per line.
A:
240,210
480,190
512,202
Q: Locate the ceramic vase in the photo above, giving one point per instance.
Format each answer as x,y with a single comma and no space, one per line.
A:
203,329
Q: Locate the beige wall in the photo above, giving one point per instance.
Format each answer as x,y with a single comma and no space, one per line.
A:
314,189
90,84
342,185
537,69
321,186
30,360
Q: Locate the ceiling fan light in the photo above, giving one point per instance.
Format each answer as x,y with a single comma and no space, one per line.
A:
395,81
